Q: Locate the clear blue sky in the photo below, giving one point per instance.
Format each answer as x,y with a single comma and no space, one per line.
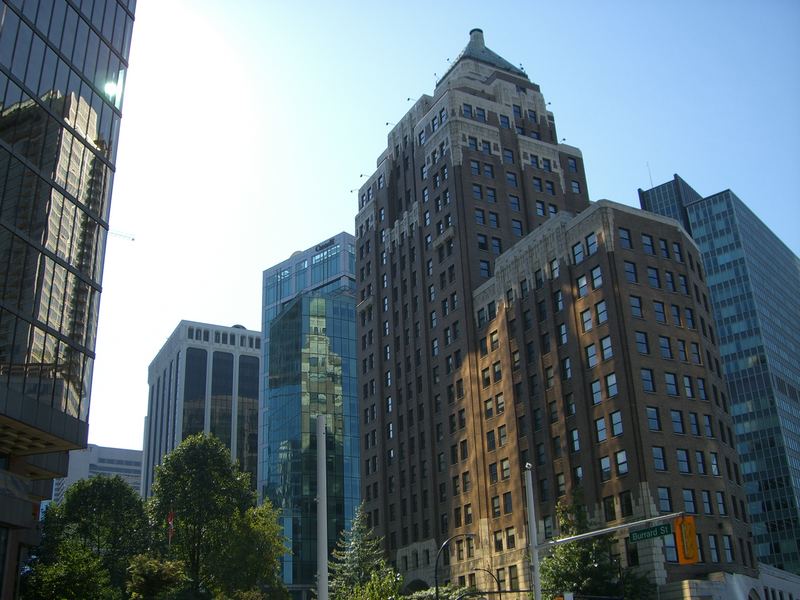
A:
247,123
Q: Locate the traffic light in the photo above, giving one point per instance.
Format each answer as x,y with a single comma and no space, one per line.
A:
686,540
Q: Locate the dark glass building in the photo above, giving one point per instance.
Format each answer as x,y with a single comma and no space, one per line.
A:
754,284
62,75
310,370
204,379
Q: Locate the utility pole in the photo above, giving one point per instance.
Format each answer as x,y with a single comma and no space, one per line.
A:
533,540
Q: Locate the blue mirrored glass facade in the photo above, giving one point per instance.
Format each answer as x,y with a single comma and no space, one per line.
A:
310,370
754,280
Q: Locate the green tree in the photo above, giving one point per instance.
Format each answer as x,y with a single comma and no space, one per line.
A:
446,592
381,586
105,518
217,534
255,547
78,573
152,578
586,567
583,567
357,556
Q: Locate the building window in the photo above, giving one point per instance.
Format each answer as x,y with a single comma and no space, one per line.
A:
683,460
591,355
616,423
671,383
575,441
647,244
583,286
572,165
713,551
577,253
516,227
630,272
727,545
597,395
653,418
621,458
511,179
600,429
605,468
642,344
653,277
636,306
606,349
575,186
659,459
658,309
664,500
665,346
609,508
597,277
721,507
677,421
625,238
611,385
670,549
688,502
586,320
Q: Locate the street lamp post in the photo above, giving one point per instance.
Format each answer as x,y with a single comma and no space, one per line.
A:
532,537
439,553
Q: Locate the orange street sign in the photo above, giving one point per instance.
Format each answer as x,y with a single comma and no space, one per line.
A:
686,540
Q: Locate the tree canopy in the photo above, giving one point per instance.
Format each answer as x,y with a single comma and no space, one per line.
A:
101,520
216,524
357,557
586,567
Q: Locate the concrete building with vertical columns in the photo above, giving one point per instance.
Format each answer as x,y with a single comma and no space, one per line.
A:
204,379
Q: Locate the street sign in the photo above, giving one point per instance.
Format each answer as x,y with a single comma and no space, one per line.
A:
686,540
650,532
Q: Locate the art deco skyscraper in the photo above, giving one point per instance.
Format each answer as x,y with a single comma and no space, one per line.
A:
754,284
498,323
310,371
62,72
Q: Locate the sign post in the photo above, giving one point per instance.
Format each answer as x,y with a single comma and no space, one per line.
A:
650,532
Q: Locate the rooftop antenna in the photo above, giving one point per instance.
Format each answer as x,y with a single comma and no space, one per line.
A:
650,174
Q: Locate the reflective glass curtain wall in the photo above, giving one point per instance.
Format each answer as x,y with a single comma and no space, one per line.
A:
62,77
312,372
62,73
309,369
754,281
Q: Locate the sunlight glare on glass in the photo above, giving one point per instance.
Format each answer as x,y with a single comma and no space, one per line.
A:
110,89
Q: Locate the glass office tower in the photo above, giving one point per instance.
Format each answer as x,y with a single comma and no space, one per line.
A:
310,370
62,74
754,281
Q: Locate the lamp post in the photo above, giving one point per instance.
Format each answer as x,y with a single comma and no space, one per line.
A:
439,553
533,539
496,580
